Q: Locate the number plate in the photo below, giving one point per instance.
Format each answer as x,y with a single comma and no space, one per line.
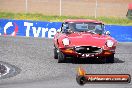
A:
87,55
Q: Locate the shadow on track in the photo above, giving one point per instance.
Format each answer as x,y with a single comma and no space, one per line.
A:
117,60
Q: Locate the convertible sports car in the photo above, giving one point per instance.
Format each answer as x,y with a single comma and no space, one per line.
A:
83,38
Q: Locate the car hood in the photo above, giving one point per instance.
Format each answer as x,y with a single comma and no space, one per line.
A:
87,39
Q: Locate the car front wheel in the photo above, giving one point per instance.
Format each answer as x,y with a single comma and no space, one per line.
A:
110,59
61,57
55,53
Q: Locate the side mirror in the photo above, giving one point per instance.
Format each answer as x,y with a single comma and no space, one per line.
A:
107,33
64,28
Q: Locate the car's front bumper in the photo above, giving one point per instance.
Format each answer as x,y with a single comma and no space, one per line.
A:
72,52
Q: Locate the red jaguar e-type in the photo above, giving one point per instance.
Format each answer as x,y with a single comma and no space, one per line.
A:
83,38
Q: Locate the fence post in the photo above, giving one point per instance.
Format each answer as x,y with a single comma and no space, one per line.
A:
96,9
26,5
60,7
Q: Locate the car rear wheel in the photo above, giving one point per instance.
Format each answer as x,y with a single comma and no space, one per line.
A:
61,57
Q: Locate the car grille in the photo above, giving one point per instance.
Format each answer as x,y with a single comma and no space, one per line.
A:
88,50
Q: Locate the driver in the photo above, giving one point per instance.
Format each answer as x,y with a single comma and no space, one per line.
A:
98,29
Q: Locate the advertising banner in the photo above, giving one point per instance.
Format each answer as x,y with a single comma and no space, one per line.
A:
45,29
29,28
120,33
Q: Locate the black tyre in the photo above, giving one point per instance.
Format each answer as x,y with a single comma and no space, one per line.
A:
110,59
61,57
55,53
107,59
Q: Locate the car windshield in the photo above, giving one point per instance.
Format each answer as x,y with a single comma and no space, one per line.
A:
87,27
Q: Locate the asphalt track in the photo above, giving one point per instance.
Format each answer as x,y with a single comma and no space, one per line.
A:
38,68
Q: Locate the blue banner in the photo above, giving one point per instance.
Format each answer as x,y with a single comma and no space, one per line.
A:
120,33
48,29
29,28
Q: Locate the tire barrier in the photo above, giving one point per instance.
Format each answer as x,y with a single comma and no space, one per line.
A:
45,29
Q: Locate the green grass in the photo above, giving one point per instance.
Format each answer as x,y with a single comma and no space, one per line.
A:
40,17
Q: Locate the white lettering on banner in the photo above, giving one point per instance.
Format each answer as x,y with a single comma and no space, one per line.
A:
51,32
28,25
43,31
36,31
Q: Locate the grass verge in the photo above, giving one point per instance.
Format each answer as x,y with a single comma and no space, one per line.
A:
41,17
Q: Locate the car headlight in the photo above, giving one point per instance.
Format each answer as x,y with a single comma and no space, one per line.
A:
109,43
66,41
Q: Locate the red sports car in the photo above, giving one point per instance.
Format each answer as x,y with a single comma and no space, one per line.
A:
83,38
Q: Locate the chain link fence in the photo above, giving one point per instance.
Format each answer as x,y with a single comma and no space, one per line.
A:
96,8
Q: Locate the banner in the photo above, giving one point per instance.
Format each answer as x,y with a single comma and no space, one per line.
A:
45,29
29,28
120,33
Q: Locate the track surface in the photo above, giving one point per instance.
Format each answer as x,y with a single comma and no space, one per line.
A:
34,56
